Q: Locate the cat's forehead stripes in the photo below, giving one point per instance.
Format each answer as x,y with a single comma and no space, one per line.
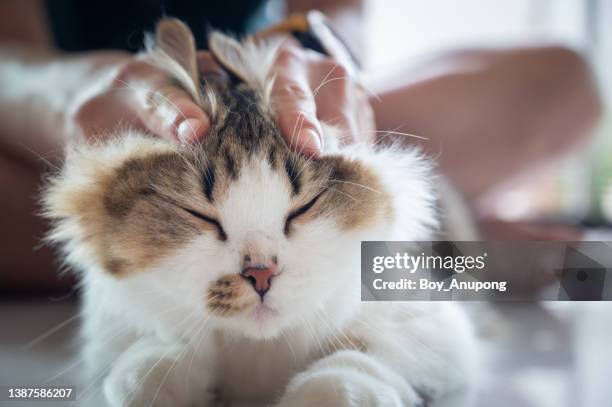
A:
272,153
230,162
246,122
208,181
294,175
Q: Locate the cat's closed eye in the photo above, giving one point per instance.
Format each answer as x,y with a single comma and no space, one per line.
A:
293,215
214,222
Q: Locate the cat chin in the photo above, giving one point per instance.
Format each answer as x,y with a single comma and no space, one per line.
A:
257,330
260,323
264,312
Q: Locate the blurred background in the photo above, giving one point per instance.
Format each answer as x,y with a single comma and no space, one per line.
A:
580,188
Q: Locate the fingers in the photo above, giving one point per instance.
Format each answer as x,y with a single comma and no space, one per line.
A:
294,102
162,107
334,95
309,89
171,113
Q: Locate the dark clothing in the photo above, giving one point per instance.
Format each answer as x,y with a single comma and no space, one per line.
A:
85,25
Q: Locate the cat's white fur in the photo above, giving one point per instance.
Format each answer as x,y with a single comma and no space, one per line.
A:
152,340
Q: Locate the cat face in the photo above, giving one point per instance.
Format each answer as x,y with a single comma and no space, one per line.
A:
265,236
252,235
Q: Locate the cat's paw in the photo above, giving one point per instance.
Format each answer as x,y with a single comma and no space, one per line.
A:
139,388
349,379
150,379
339,389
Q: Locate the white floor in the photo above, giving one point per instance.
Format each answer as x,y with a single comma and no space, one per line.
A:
554,356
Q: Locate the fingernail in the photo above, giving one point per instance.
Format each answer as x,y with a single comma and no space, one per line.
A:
313,145
190,130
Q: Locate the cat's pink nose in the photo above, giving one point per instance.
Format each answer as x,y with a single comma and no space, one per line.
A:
260,277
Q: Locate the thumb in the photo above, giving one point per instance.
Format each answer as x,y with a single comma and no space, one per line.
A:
161,107
171,113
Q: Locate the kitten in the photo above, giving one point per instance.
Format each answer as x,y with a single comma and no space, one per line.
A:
228,272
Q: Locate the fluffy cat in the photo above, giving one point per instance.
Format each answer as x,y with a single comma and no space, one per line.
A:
228,272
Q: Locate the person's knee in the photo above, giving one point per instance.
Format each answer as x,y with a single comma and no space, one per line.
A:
551,91
566,84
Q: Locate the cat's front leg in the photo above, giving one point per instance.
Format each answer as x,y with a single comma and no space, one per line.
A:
349,379
152,374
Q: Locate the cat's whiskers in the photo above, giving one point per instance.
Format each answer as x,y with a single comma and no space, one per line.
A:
312,333
356,184
306,162
323,185
366,324
202,334
301,150
325,317
326,80
119,331
51,331
162,357
342,192
64,371
314,94
318,339
93,385
337,342
436,157
324,353
388,133
338,329
323,81
106,369
296,127
424,344
332,339
288,341
168,371
40,157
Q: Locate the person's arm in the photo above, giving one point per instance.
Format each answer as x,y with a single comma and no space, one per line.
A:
23,22
491,115
47,97
39,89
22,269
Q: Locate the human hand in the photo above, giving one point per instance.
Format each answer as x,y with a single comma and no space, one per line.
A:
310,88
143,96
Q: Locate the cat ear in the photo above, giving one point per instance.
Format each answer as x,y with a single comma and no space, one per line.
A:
230,53
251,60
174,38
